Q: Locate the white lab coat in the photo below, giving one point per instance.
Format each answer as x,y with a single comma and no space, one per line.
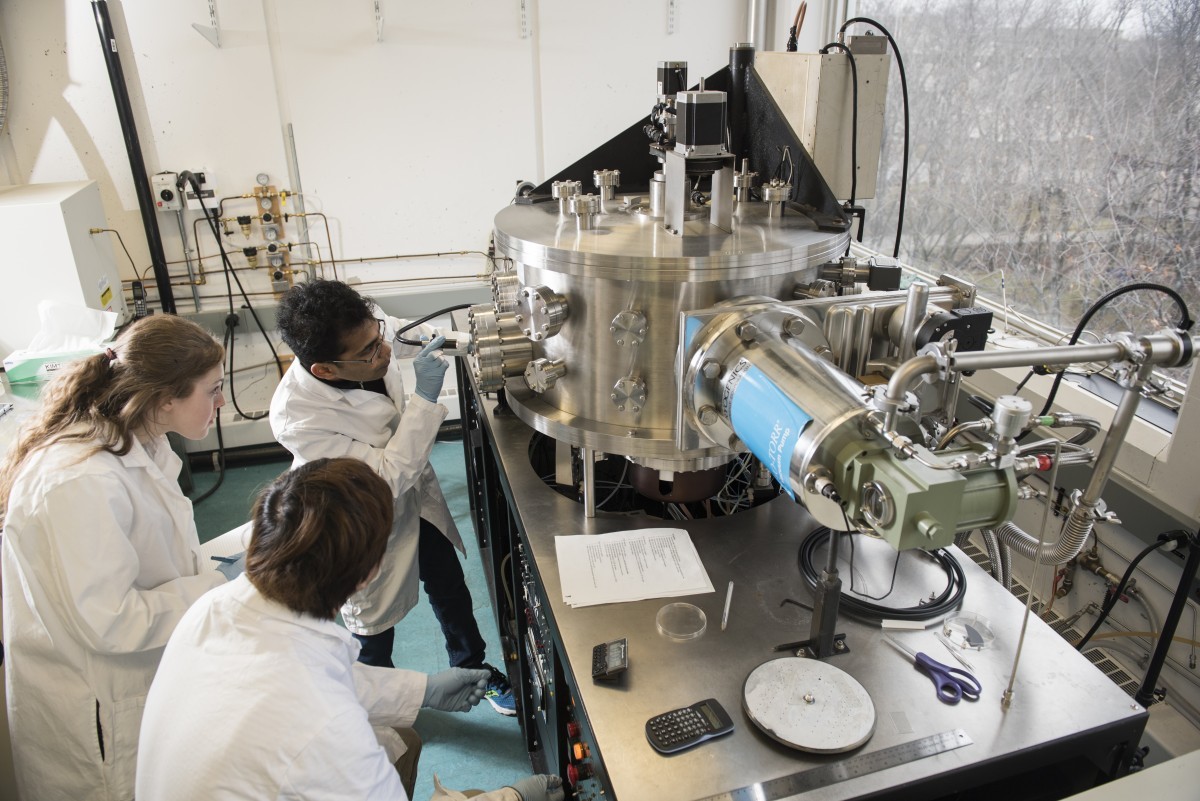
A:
314,420
100,563
253,700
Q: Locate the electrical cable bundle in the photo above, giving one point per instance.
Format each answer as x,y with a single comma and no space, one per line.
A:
1171,538
948,599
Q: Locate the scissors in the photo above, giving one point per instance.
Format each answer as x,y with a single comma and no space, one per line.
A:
953,684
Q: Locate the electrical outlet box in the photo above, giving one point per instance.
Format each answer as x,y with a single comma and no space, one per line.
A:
208,191
166,195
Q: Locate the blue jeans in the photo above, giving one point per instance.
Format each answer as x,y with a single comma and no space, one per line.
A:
442,575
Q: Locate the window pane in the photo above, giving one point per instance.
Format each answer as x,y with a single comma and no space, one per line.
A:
1058,142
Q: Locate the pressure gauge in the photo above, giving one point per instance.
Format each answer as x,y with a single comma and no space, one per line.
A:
265,203
263,179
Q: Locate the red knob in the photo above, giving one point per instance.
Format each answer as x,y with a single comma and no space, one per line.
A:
573,729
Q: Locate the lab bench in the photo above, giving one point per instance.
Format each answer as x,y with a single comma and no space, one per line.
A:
1067,728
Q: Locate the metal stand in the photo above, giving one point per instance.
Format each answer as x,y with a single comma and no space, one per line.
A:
822,640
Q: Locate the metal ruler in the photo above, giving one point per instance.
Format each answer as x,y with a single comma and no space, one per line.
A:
855,766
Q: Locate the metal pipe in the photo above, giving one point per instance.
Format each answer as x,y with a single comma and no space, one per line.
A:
187,257
1117,430
589,481
1007,697
983,424
897,388
914,312
1058,354
133,148
756,23
1158,349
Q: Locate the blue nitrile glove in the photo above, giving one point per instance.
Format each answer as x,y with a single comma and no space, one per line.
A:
430,368
539,787
231,566
456,689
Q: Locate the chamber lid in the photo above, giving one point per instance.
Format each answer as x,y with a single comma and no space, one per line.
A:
809,705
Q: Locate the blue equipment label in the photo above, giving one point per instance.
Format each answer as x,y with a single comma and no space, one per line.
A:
767,420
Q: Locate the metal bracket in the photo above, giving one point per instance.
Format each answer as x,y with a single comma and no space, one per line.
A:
212,32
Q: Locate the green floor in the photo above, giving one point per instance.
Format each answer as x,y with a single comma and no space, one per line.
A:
480,749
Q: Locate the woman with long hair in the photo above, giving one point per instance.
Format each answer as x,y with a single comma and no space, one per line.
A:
100,554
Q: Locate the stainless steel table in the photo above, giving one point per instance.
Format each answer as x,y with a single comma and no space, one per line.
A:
1065,712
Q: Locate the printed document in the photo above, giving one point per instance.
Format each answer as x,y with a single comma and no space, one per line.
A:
629,566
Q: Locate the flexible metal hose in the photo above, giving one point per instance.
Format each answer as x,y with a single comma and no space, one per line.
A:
1075,533
992,545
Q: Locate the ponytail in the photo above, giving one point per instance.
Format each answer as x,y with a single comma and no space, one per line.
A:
107,398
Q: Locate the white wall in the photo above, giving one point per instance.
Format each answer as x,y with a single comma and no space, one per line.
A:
410,144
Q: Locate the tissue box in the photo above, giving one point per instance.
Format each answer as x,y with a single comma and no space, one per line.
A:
23,366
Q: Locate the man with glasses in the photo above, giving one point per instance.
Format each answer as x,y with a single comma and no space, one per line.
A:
344,396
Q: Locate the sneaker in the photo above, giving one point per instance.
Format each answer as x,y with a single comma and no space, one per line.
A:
499,692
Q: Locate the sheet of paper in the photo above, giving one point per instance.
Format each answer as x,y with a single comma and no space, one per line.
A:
629,566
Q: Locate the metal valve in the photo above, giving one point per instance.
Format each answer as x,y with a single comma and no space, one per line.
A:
607,182
563,191
541,374
585,208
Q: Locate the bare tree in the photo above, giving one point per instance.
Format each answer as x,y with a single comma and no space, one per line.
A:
1054,141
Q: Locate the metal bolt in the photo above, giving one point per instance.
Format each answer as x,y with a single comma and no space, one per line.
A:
809,698
612,396
708,415
637,408
621,408
747,331
711,368
794,327
928,525
620,342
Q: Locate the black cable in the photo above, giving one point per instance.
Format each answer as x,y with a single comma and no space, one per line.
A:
231,322
1185,323
948,599
139,273
904,95
220,464
1163,539
425,319
211,217
891,587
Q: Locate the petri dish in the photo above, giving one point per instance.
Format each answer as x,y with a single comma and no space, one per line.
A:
681,621
969,631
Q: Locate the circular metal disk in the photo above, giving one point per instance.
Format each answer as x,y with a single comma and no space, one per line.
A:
809,705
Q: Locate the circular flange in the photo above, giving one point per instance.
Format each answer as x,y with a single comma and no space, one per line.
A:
809,705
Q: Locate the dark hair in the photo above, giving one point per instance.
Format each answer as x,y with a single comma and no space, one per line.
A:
315,317
319,531
106,398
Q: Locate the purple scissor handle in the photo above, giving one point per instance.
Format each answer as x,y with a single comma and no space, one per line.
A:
952,684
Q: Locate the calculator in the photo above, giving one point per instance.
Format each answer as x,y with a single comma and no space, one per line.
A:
610,659
682,728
